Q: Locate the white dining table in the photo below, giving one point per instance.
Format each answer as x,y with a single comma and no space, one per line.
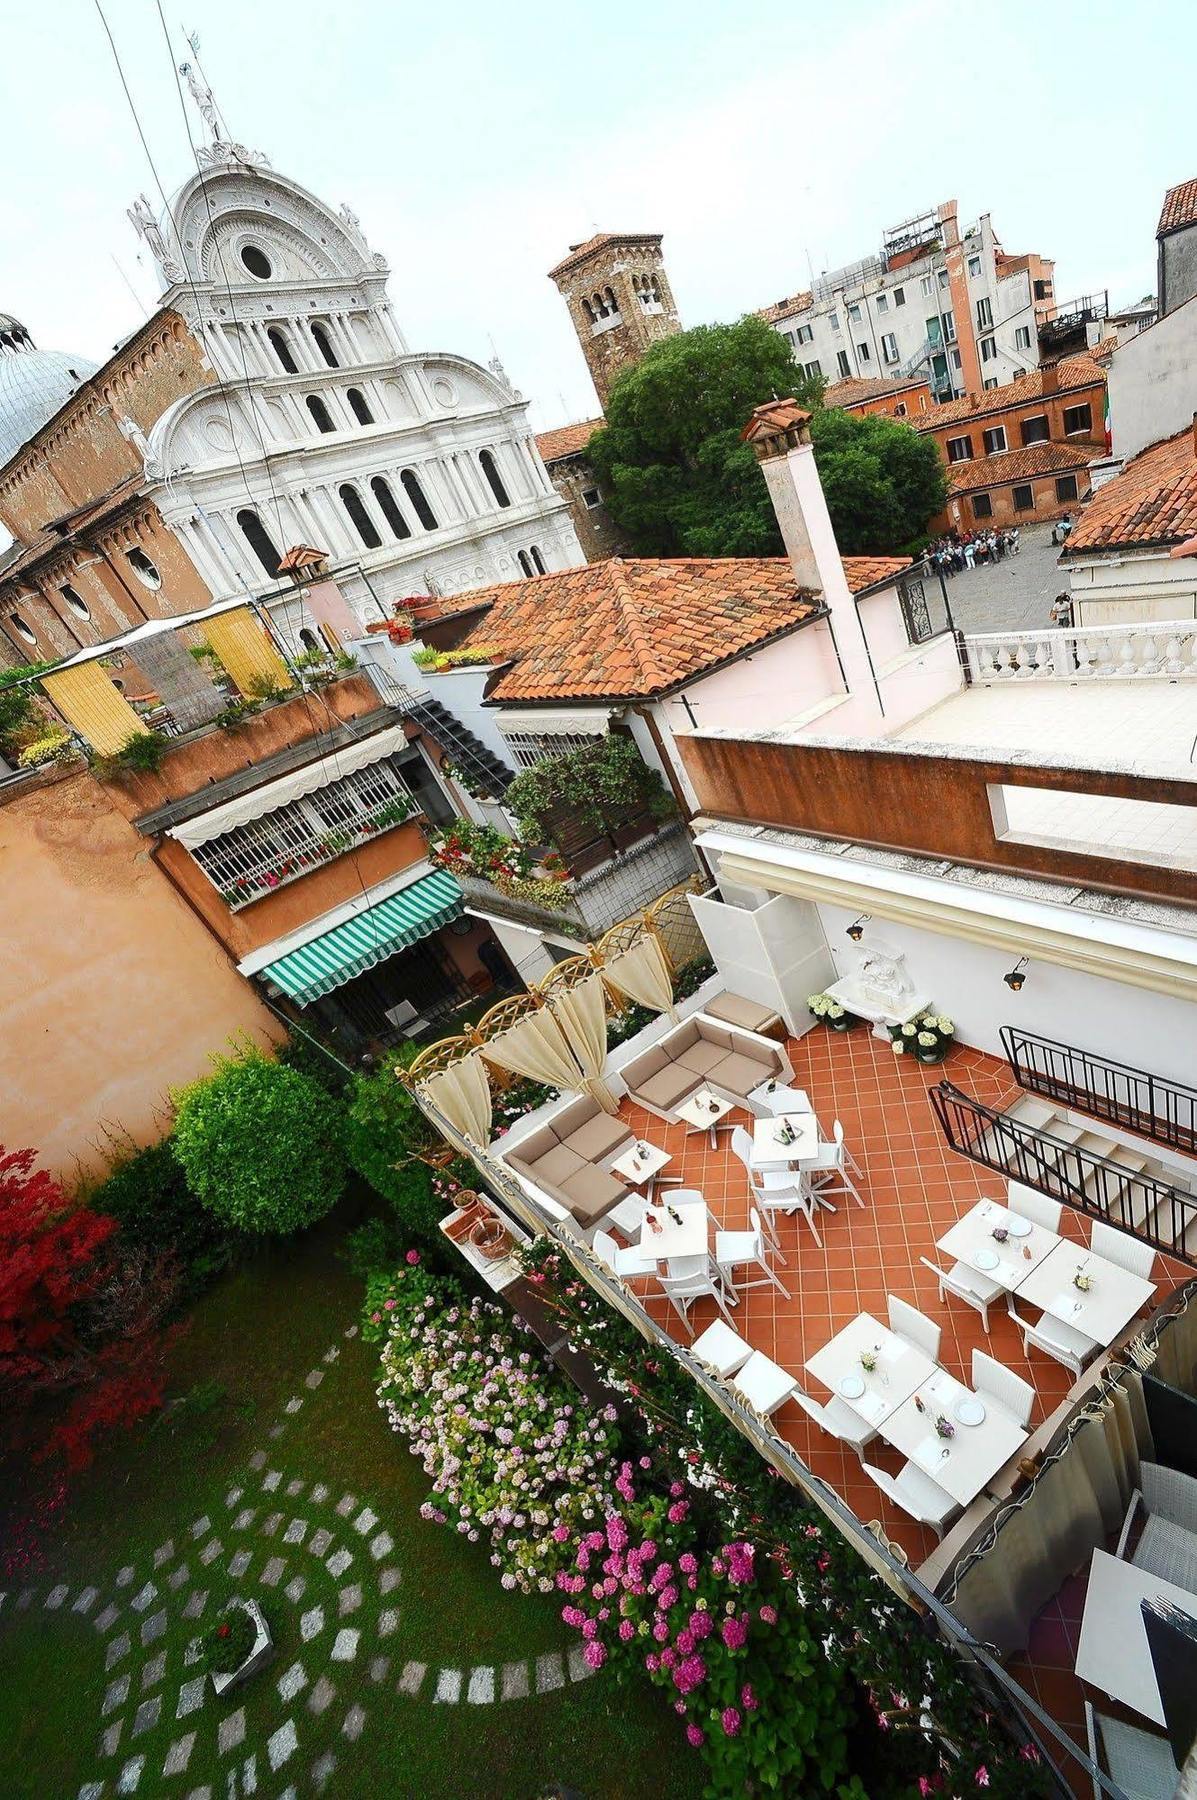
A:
1115,1295
963,1463
1112,1653
689,1238
769,1152
705,1111
901,1368
971,1241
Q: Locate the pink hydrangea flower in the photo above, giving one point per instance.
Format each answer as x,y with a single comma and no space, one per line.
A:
413,1257
767,1615
731,1721
677,1512
687,1563
695,1736
748,1699
590,1628
661,1631
560,1533
982,1776
734,1633
594,1655
626,1630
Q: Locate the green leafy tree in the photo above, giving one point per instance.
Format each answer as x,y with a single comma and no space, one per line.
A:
260,1145
383,1131
681,481
148,1196
19,710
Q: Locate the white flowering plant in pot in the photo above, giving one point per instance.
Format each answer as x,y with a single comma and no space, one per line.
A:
927,1037
832,1012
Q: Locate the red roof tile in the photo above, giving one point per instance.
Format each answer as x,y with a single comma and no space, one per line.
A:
1179,209
785,309
600,241
1073,372
1153,501
869,387
567,440
870,571
1016,465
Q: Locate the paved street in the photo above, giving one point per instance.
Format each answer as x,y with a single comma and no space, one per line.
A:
1013,595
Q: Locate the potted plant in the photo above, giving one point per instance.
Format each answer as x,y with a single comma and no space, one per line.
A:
236,1645
832,1012
927,1037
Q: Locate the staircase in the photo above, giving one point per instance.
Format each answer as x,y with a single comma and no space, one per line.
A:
467,752
1036,1143
1150,1105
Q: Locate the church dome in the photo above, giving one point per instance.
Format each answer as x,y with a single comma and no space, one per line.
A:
33,384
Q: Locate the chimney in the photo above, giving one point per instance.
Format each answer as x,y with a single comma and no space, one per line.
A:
1051,378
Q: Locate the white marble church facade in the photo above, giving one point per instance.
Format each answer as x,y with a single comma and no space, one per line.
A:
324,428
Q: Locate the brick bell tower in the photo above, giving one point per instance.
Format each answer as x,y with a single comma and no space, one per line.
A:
619,299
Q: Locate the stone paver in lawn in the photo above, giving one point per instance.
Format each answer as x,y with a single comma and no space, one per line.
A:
124,1576
388,1579
195,1603
293,1681
239,1562
345,1505
103,1620
84,1601
412,1677
273,1573
349,1599
211,1551
322,1770
294,1489
549,1672
144,1597
153,1671
56,1596
25,1600
579,1668
311,1622
130,1775
177,1577
388,1622
296,1531
111,1738
294,1589
118,1647
365,1522
313,1378
231,1498
91,1790
115,1695
179,1755
320,1541
164,1552
293,1405
355,1721
515,1681
382,1545
231,1731
331,1354
249,1774
271,1524
481,1688
154,1626
379,1667
319,1494
271,1479
338,1562
197,1530
191,1695
448,1688
146,1716
345,1644
276,1431
282,1744
350,1331
257,1460
245,1518
322,1695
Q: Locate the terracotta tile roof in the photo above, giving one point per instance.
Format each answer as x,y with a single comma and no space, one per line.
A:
1101,353
868,387
1153,501
870,571
775,418
567,440
601,239
58,534
631,629
1074,372
1017,465
785,309
1179,209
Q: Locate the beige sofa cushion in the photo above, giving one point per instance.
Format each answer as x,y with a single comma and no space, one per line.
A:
644,1065
733,1009
740,1074
714,1033
598,1138
537,1143
669,1087
572,1117
557,1167
702,1057
591,1193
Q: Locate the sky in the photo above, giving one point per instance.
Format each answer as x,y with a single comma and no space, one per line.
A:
476,142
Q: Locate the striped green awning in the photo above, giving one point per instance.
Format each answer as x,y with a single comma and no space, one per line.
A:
361,943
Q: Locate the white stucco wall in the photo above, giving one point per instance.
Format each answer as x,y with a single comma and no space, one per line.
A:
1153,382
1119,590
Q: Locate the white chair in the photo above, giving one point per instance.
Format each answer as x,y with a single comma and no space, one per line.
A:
764,1384
838,1419
733,1248
994,1382
628,1215
623,1262
1139,1762
974,1289
916,1494
914,1327
1029,1204
1068,1345
1118,1248
831,1168
774,1190
782,1100
703,1282
722,1349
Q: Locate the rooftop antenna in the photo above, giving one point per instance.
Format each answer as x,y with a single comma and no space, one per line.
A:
138,302
201,92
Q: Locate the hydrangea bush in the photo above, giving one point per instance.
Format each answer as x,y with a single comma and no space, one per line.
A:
928,1037
514,1462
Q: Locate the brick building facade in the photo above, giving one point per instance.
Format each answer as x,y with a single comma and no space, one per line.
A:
619,299
563,453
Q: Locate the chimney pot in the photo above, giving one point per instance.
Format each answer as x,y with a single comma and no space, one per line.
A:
1051,378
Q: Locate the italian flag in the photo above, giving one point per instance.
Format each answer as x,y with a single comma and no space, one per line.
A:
1106,419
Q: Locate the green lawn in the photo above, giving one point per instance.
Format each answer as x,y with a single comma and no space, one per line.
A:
248,1348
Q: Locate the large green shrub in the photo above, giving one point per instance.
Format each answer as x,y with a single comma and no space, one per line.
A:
147,1194
383,1128
260,1146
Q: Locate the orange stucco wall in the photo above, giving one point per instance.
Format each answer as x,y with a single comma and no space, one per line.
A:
111,990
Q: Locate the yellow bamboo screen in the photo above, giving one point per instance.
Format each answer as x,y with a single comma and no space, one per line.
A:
87,700
246,651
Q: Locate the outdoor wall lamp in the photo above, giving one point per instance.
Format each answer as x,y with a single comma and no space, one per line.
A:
1017,975
856,929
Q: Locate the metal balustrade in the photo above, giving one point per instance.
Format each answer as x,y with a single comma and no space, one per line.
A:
1151,1105
1163,649
1140,1204
281,846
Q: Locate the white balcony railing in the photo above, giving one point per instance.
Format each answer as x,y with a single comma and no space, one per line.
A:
1161,649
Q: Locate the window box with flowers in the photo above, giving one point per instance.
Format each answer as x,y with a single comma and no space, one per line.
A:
508,864
928,1037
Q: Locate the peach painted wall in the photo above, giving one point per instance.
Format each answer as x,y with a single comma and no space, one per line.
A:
111,990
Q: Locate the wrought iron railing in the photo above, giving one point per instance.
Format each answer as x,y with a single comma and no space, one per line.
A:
1151,1105
1135,1202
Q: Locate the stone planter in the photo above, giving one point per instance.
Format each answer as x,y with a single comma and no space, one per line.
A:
259,1656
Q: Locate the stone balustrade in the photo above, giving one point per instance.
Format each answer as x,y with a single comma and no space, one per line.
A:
1160,649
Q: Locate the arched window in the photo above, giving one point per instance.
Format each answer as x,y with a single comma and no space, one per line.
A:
588,310
389,507
415,494
21,628
600,306
538,559
609,297
319,413
74,600
362,523
525,562
324,347
145,571
282,349
310,641
357,404
494,479
258,539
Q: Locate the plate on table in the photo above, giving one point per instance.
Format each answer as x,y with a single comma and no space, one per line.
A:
852,1387
1017,1226
985,1258
969,1410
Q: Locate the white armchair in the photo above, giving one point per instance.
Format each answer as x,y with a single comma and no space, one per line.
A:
966,1284
838,1419
916,1494
994,1382
1068,1345
906,1321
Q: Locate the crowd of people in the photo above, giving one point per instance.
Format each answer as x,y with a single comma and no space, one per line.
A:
957,551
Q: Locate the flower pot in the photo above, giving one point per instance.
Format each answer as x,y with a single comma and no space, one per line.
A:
931,1057
259,1655
489,1237
465,1198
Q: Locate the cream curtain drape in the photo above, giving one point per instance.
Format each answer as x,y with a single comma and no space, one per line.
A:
581,1012
1176,1351
642,973
535,1046
462,1093
1078,1499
